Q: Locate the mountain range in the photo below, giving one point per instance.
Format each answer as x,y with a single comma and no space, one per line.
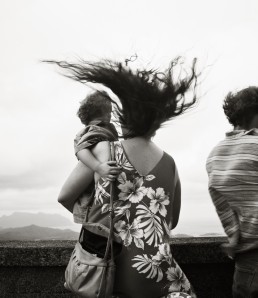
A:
34,232
22,219
36,226
44,226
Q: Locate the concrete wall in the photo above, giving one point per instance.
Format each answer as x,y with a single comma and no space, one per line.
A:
36,269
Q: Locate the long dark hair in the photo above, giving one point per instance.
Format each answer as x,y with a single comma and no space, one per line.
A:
148,97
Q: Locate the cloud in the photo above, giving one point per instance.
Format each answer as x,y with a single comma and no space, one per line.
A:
29,199
38,105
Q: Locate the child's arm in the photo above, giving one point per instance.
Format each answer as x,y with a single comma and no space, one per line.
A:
77,182
106,169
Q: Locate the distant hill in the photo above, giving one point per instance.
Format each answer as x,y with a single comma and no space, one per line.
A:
23,219
34,232
181,236
212,235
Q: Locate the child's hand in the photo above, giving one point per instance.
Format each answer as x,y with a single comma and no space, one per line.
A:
108,170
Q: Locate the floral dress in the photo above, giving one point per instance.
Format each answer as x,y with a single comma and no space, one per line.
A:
143,219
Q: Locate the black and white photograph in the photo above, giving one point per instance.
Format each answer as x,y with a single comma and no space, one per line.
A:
129,148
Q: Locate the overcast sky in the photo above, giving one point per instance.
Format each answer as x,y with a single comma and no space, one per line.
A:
38,106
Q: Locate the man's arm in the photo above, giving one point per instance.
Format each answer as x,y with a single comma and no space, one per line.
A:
226,214
176,204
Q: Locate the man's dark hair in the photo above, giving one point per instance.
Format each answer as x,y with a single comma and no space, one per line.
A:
240,107
95,106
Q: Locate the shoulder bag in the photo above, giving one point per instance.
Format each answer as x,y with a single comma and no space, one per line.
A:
88,275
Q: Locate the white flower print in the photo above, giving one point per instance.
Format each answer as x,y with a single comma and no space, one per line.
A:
123,210
105,207
121,159
150,177
132,191
164,254
179,295
129,232
151,223
101,193
121,178
169,231
158,201
178,279
164,249
144,264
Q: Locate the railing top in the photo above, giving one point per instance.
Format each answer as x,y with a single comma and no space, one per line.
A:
57,252
68,243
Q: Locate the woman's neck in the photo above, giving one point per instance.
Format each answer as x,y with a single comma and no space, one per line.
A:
139,139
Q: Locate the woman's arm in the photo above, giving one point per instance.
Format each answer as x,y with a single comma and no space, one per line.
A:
105,169
102,152
82,176
75,184
176,204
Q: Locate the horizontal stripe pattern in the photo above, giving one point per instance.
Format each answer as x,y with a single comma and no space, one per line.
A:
232,167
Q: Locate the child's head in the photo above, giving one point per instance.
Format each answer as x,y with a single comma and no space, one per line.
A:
96,106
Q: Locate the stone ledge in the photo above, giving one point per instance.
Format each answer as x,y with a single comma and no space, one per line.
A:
57,253
36,269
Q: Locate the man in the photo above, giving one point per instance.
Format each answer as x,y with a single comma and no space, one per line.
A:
232,167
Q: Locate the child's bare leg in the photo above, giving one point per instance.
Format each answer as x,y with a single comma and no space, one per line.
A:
75,184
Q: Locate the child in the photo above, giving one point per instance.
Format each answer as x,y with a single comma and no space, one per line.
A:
95,113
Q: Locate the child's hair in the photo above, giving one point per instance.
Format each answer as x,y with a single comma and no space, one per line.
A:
95,106
240,107
148,97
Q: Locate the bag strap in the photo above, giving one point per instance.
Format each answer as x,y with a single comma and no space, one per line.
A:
111,212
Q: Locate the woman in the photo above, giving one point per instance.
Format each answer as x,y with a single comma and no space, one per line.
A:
147,201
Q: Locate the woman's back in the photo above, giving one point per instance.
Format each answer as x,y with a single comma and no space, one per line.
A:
142,153
143,218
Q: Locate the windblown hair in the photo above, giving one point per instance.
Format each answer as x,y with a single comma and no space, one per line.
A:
95,106
240,107
148,97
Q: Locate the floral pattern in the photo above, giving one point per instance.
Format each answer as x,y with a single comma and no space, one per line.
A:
132,191
178,279
131,232
151,223
178,295
158,201
141,222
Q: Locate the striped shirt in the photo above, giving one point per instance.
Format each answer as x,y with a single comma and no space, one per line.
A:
232,168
